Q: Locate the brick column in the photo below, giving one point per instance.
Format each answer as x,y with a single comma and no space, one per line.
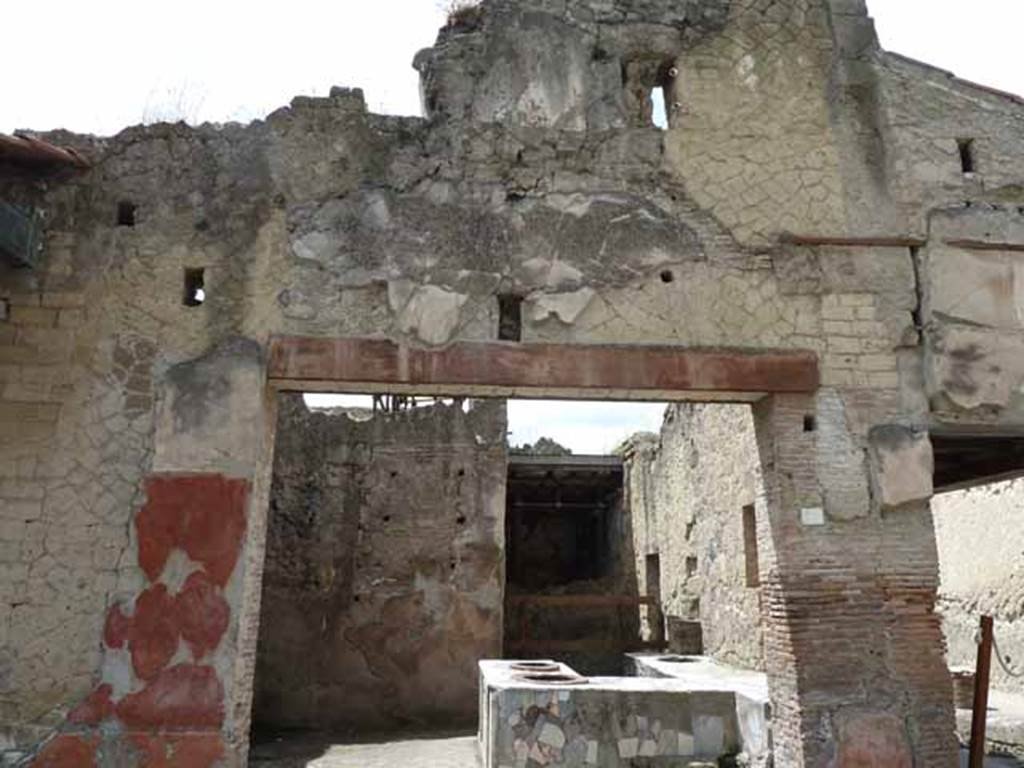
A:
854,648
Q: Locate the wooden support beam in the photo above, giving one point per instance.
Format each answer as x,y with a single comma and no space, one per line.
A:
985,245
591,645
871,241
602,372
979,717
582,601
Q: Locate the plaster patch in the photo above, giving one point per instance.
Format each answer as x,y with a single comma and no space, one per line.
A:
431,313
565,306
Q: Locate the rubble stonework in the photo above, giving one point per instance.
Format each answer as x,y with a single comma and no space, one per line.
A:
383,581
808,197
687,492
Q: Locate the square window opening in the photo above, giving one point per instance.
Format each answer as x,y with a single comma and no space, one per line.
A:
659,109
750,556
968,161
649,91
510,317
195,287
126,213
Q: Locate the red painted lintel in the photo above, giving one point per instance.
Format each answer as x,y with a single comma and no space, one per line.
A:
527,366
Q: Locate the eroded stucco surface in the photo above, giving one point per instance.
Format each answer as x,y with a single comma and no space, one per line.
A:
688,488
808,195
384,572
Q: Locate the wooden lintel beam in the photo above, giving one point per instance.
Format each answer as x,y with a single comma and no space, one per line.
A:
582,601
870,241
985,245
595,371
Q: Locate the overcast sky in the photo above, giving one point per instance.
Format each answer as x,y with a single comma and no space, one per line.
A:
99,65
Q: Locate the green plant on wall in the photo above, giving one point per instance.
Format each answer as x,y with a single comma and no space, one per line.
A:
465,14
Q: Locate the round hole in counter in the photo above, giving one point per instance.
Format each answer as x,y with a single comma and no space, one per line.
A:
551,678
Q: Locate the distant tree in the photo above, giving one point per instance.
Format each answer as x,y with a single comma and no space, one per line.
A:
544,446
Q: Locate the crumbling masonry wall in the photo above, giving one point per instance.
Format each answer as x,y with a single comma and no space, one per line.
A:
687,485
808,197
687,491
384,571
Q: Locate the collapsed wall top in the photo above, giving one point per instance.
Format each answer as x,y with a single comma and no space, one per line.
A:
578,64
557,64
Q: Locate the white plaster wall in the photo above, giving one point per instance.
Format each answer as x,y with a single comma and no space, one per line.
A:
980,536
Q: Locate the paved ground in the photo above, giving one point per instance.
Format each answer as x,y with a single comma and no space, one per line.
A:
319,752
1005,728
993,762
451,752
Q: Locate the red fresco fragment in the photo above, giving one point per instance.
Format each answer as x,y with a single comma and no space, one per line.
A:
181,696
202,613
67,751
197,750
153,638
117,628
96,708
152,750
874,741
216,525
159,525
202,514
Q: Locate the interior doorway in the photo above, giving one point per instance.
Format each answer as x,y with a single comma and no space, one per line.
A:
453,380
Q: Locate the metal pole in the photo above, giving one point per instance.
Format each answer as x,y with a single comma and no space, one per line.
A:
981,679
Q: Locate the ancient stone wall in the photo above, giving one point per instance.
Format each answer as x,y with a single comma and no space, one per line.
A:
384,572
688,491
808,196
980,534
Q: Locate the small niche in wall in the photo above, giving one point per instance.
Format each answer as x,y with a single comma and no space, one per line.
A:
968,161
810,423
510,317
750,556
652,575
195,287
126,213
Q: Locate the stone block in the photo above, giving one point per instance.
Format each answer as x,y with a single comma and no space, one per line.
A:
973,367
902,464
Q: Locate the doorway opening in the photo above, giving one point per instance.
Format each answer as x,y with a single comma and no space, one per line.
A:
430,602
410,538
979,533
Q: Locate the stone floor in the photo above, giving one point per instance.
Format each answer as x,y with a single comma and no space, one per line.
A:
1005,729
413,752
993,762
452,751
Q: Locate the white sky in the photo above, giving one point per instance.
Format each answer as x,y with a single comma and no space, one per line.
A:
584,427
99,65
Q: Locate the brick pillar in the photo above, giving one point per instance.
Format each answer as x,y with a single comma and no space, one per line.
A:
854,649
